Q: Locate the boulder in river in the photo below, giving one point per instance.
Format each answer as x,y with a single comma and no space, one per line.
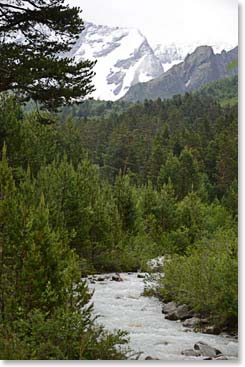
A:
171,316
183,312
142,276
169,307
174,312
149,358
116,277
100,279
206,350
192,322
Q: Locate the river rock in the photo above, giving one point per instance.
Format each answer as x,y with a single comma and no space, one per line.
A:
142,276
206,350
171,317
174,312
170,311
191,353
218,358
148,358
211,329
100,279
169,307
192,322
183,312
116,278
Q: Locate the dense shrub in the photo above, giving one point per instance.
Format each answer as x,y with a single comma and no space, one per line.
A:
206,279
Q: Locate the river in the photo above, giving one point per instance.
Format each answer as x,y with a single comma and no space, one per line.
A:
120,305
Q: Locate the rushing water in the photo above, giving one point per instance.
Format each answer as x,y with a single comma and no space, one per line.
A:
121,306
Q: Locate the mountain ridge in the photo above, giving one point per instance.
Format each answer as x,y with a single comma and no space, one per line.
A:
125,58
199,68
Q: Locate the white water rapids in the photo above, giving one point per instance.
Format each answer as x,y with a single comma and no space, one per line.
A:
120,305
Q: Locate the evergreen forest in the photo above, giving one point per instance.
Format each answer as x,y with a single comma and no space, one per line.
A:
86,195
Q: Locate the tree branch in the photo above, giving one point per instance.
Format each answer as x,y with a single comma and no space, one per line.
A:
12,6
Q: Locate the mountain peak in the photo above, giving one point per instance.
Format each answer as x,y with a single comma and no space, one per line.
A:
124,58
200,54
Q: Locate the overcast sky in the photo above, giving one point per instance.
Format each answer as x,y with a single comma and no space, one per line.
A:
167,21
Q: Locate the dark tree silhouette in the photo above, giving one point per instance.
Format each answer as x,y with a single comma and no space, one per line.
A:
35,37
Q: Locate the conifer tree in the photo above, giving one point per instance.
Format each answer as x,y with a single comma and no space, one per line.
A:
125,203
34,35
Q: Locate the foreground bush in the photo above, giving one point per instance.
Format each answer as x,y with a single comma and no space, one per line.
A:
65,335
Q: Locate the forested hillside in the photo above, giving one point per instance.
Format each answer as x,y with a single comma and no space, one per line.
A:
224,91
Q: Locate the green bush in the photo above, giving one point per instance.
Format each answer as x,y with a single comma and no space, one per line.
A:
63,336
206,279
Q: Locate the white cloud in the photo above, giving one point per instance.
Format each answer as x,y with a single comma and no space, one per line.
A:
166,21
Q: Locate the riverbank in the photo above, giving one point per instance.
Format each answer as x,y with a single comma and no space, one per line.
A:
120,305
190,319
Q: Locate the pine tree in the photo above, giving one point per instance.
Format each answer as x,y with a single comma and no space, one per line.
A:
33,36
189,178
125,203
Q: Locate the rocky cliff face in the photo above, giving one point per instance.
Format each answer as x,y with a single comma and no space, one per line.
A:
124,58
172,54
200,67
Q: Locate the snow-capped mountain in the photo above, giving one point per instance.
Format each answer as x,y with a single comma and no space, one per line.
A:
172,54
124,58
